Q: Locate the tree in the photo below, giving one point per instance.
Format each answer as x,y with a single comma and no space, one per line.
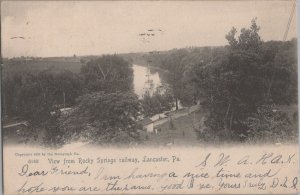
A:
156,103
34,95
29,100
235,86
281,71
68,87
270,124
248,40
54,135
236,83
104,117
108,73
175,73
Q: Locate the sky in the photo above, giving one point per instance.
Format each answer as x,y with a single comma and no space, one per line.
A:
65,28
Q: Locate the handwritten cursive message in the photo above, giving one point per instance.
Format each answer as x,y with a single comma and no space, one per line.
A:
243,169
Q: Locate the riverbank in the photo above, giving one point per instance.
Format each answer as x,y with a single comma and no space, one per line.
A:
155,68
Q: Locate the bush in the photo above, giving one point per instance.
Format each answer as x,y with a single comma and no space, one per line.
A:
156,103
103,118
270,125
54,135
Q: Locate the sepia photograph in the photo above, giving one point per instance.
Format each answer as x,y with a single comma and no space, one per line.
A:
184,79
156,73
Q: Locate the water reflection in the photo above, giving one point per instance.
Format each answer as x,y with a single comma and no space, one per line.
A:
144,79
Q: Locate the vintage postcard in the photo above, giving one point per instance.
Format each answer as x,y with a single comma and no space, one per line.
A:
149,97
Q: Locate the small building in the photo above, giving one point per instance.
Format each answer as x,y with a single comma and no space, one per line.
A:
147,124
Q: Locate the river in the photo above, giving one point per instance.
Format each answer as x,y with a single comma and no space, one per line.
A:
144,80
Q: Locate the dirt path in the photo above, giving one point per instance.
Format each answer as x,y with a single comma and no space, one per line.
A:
176,114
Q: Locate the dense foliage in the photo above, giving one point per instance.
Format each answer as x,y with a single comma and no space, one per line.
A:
104,117
233,83
33,96
109,73
268,122
238,83
156,103
103,90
